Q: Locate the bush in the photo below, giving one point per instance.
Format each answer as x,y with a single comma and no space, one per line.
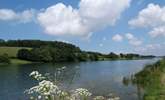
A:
4,59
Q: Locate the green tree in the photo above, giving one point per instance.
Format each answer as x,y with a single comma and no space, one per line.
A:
5,59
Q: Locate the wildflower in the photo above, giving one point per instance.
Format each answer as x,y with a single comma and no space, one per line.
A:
31,98
62,93
39,97
36,75
82,92
44,88
46,97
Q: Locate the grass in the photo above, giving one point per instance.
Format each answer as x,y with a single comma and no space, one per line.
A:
11,51
19,61
152,79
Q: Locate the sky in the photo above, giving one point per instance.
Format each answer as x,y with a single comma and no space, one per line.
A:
120,26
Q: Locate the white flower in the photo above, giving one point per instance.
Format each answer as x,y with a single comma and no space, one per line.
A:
82,92
62,93
39,97
36,75
31,98
44,88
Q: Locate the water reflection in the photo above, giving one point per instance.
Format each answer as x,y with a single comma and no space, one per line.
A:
131,81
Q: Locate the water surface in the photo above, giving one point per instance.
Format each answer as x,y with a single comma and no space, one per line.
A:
101,77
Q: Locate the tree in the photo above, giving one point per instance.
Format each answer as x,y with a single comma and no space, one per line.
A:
113,56
5,59
44,54
24,54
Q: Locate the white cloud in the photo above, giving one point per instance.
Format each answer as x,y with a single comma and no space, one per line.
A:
158,31
7,14
151,17
92,15
117,38
27,16
133,40
22,17
151,49
61,20
129,36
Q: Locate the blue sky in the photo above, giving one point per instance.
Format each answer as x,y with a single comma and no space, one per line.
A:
136,26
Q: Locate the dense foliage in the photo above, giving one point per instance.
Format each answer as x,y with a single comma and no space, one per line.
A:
52,54
4,59
37,44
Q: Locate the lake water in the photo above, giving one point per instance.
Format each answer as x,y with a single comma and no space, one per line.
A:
100,78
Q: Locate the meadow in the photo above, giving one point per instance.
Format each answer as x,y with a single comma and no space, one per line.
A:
11,51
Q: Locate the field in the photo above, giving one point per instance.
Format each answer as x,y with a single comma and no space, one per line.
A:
19,61
11,51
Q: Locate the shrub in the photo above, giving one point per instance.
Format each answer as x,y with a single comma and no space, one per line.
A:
5,59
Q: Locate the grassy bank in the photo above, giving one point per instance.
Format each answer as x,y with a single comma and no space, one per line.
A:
152,80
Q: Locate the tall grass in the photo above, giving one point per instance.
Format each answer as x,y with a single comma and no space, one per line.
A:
152,80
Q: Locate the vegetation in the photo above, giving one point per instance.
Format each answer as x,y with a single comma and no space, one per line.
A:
152,79
4,59
19,61
11,51
54,51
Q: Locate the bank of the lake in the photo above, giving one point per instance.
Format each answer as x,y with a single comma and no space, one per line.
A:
152,80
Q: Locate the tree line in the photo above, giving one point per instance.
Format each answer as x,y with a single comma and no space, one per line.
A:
55,51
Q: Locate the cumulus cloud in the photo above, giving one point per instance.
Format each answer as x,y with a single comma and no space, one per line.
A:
158,31
90,16
133,40
117,38
151,49
7,14
22,17
61,20
129,36
151,17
